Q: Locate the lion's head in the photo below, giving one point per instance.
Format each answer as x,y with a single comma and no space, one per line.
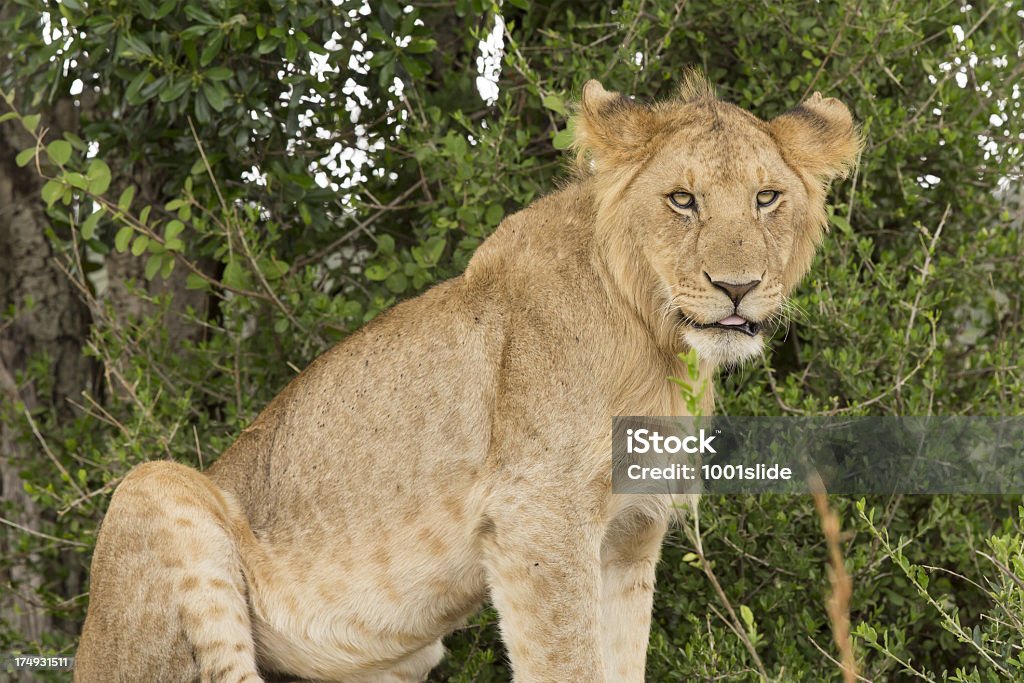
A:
714,214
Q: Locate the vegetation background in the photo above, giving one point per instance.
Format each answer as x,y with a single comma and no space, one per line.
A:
199,197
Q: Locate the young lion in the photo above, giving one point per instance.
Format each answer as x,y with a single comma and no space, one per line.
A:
458,447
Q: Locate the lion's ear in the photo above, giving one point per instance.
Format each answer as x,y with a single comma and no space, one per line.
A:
610,129
818,138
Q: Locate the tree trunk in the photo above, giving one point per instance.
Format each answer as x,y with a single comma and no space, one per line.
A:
40,313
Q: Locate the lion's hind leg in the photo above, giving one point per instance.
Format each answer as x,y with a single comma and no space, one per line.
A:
168,599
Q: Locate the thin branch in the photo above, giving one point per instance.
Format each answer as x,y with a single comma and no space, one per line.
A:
92,494
694,534
360,227
46,448
40,534
851,9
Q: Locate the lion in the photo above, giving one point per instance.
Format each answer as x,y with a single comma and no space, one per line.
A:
457,448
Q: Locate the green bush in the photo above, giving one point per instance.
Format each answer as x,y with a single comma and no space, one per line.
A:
207,289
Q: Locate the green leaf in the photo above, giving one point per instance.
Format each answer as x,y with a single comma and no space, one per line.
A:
76,142
88,228
273,269
843,224
234,275
494,214
376,272
748,617
59,151
176,89
25,157
153,264
381,58
98,176
152,88
194,281
133,93
217,95
555,104
563,138
173,229
76,180
165,9
421,46
218,73
397,283
134,46
139,246
31,122
168,265
376,32
211,50
386,244
867,632
521,4
52,191
123,236
200,15
432,249
124,202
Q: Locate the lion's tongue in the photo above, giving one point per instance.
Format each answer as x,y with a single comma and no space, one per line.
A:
732,320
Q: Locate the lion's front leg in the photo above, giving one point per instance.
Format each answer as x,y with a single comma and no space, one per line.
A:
544,571
629,556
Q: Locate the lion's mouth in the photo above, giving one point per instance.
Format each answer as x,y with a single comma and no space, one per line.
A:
733,323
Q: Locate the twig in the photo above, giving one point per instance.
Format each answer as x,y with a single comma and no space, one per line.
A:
693,533
319,254
228,213
925,272
924,108
831,49
832,659
40,534
199,449
92,494
1004,569
46,447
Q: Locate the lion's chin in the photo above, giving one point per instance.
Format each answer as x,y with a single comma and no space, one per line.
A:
723,347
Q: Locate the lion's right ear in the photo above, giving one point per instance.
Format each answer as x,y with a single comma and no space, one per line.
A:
819,137
610,129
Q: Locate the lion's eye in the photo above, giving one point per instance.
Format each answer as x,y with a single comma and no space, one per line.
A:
683,200
767,198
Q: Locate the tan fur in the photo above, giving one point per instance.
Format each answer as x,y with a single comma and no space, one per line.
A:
458,447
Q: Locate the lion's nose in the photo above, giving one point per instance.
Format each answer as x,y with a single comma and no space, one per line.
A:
736,291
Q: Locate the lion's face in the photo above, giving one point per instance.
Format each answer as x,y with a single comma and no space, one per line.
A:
725,210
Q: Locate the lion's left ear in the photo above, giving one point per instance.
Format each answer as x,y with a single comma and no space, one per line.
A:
610,128
818,137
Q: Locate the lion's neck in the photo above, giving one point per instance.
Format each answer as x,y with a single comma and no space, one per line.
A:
630,281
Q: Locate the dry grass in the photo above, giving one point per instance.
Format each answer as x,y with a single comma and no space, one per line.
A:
838,603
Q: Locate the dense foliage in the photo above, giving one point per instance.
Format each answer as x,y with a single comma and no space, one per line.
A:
242,184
